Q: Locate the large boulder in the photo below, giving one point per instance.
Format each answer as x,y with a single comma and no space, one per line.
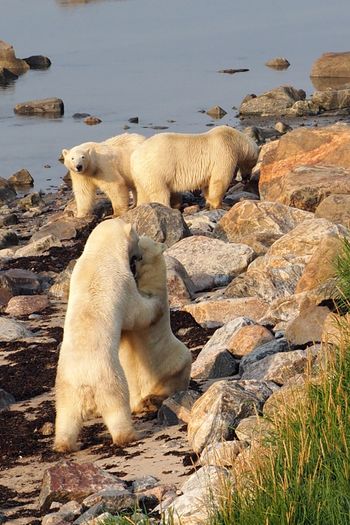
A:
159,222
258,224
326,146
332,65
216,414
53,106
211,262
277,101
335,208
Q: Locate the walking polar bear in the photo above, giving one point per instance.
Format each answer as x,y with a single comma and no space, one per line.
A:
155,362
104,166
174,162
103,301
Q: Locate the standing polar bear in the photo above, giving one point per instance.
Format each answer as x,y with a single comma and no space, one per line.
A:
155,362
105,166
103,301
174,162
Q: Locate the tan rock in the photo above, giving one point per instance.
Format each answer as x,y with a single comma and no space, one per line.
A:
8,59
326,146
253,428
284,399
216,313
26,304
180,286
335,208
222,454
247,338
332,65
308,326
336,329
52,105
259,224
274,102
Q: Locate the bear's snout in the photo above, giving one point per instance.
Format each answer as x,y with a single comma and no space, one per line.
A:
79,167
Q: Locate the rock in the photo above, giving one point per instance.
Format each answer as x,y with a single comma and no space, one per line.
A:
308,326
278,63
333,329
278,367
284,400
304,146
216,414
111,499
231,71
8,238
44,106
144,483
216,112
179,284
60,229
335,208
47,429
7,193
215,359
38,62
247,338
215,313
275,102
92,121
275,275
67,481
222,261
21,282
258,224
6,399
177,408
202,222
133,120
8,59
38,247
159,222
253,428
306,186
11,330
26,304
282,127
67,512
270,348
21,178
9,220
30,200
192,507
6,77
332,99
60,288
332,65
222,454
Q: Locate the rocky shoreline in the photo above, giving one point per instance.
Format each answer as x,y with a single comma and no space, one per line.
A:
252,294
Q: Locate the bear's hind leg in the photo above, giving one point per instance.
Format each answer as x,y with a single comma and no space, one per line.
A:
68,424
218,185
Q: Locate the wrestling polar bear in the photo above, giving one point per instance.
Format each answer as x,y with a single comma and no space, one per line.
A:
105,166
174,162
155,362
103,301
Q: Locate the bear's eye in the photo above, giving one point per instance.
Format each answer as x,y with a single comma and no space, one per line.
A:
83,156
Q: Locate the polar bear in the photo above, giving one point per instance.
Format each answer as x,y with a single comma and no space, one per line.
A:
105,166
155,362
176,162
103,301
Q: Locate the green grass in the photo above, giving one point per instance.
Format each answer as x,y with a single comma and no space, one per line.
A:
306,478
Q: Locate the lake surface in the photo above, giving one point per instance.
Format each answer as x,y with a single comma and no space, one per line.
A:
155,59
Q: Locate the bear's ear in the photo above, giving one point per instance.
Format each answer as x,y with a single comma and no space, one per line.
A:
64,153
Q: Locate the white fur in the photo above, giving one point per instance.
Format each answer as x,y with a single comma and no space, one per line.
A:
155,362
103,301
105,166
176,162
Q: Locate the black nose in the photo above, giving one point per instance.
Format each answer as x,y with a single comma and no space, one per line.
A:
79,167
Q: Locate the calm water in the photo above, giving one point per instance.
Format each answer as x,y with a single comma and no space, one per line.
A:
155,59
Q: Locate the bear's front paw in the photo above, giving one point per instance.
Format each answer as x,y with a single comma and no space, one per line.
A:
124,437
65,447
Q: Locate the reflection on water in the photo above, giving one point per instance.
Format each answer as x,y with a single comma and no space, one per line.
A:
323,83
67,3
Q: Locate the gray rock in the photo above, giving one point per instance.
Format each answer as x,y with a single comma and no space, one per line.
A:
67,512
177,408
7,193
180,286
52,106
11,330
8,238
159,222
270,348
111,500
38,62
216,414
144,483
38,247
62,230
21,282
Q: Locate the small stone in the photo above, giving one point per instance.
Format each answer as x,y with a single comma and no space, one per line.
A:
278,63
38,62
233,71
30,200
47,429
144,483
11,330
21,178
8,238
53,106
79,116
133,120
6,399
26,304
216,112
91,121
282,127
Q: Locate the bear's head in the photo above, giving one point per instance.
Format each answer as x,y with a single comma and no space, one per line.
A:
76,159
150,250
